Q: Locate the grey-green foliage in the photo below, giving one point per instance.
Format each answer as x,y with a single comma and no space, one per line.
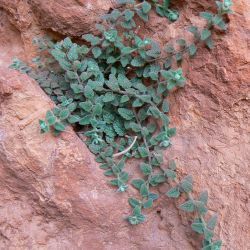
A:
113,90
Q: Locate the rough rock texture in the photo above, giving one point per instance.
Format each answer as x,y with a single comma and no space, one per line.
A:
52,193
68,17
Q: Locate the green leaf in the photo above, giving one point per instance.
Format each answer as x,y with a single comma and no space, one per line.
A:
127,50
193,29
198,227
217,245
122,188
77,88
115,14
124,99
143,152
182,42
212,222
137,103
209,43
213,246
111,60
87,106
109,172
207,15
73,119
157,179
114,182
85,120
51,119
137,183
67,43
128,15
59,126
94,40
146,7
179,56
88,92
65,64
135,220
108,97
126,1
137,62
165,106
135,127
218,20
127,114
154,111
137,211
112,83
72,106
124,176
119,128
134,202
146,169
153,196
142,15
73,53
71,75
96,52
124,82
144,190
97,110
171,132
192,49
208,234
100,27
170,174
187,184
58,54
43,126
104,166
173,192
160,10
111,35
83,50
172,15
64,114
205,34
204,197
200,207
148,203
188,206
121,165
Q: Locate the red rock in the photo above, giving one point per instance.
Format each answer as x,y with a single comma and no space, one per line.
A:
52,193
70,17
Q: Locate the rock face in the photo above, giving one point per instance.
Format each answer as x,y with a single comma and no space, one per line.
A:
53,194
68,17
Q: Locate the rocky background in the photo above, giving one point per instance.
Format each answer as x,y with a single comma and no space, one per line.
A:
52,193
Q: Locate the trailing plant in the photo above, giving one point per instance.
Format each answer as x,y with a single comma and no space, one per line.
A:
113,91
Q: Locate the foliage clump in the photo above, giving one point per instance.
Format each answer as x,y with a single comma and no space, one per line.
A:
113,90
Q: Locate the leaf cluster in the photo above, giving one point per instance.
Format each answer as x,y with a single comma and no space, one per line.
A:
112,89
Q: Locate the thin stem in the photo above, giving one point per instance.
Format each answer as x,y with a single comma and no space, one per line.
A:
146,145
109,67
126,150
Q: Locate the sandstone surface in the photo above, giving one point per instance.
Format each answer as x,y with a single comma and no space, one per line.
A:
53,195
